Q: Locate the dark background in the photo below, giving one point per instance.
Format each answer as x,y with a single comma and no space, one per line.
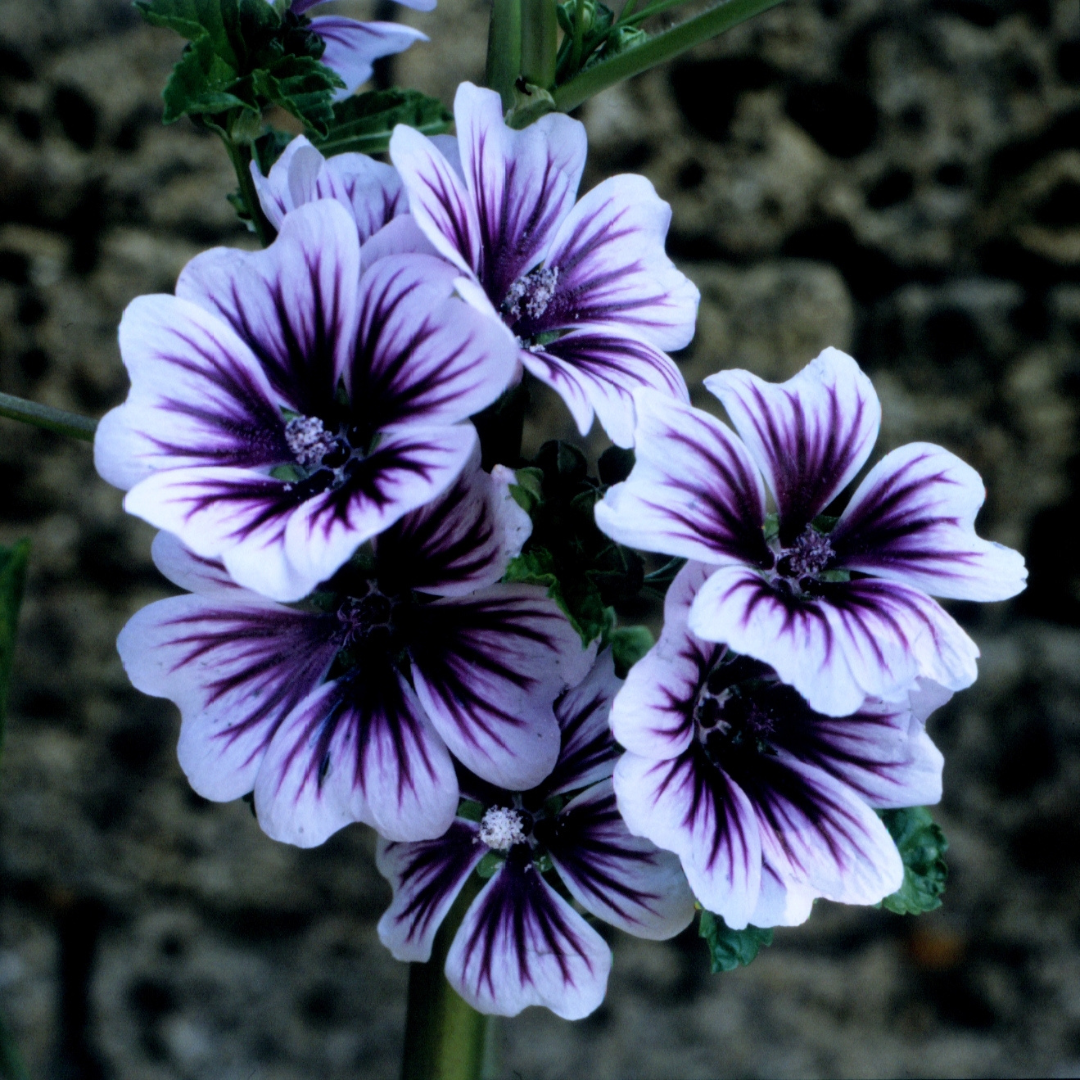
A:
900,178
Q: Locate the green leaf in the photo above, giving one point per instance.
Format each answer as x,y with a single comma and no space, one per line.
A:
12,579
303,86
528,492
201,82
922,846
628,645
363,123
729,949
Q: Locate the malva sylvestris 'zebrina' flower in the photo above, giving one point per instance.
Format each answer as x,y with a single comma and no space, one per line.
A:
768,803
841,610
586,287
342,709
285,408
520,942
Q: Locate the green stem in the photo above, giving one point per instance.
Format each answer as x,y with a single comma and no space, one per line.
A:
539,42
504,49
445,1039
579,35
658,49
240,156
648,12
44,416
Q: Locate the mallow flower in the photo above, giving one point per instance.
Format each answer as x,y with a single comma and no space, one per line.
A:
585,286
342,709
521,942
841,609
284,407
767,803
352,46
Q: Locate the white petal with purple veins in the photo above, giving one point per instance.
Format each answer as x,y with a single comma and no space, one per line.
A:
612,268
488,668
234,670
781,902
206,577
351,46
198,397
438,198
401,236
913,520
817,833
588,750
426,878
522,944
620,878
522,183
693,491
809,435
595,370
294,304
360,749
424,354
688,806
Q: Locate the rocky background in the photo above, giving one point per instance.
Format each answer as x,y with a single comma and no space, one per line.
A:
900,178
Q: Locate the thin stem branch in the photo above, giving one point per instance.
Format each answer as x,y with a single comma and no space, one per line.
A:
579,35
651,10
240,156
45,416
658,49
504,49
539,42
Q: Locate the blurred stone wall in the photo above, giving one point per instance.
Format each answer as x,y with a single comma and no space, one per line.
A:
900,178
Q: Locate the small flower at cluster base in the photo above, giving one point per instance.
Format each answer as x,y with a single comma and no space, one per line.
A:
520,943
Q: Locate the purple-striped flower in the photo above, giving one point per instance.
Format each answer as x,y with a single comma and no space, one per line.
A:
586,288
284,408
840,609
352,46
520,942
342,709
767,803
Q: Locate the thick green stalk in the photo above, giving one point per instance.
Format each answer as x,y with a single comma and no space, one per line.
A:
12,577
504,49
240,156
539,42
44,416
656,50
445,1039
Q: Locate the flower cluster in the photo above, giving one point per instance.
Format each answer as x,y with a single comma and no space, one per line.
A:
351,644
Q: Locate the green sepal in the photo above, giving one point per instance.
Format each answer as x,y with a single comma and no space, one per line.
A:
470,810
922,846
825,523
528,492
543,862
771,528
729,949
624,38
12,580
628,645
615,465
364,123
289,472
491,862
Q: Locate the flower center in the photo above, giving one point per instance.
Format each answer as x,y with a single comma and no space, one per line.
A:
735,709
808,556
530,295
310,442
501,828
367,619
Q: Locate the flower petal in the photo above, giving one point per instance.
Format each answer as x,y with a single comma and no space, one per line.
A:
588,750
438,198
693,491
351,46
816,832
781,902
235,670
809,435
689,806
623,879
522,183
613,270
275,190
294,304
522,944
595,370
206,577
913,520
402,236
426,878
488,668
423,354
198,397
461,541
360,749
